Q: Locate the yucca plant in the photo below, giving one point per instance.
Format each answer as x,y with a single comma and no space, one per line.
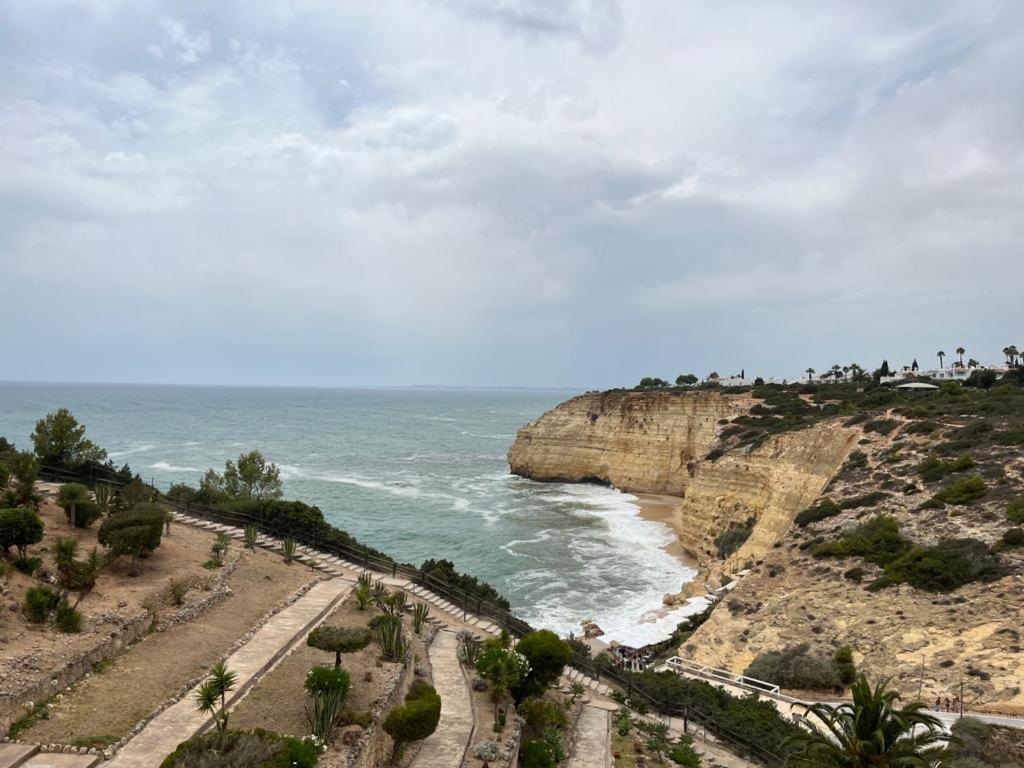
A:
288,550
419,615
379,593
251,533
104,494
362,594
219,547
214,690
365,580
397,602
469,648
391,641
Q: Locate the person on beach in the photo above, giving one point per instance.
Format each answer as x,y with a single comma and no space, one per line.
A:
947,705
938,703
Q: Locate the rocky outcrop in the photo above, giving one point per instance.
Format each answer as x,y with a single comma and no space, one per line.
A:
648,442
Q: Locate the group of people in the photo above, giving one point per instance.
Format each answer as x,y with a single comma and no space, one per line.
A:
947,704
632,659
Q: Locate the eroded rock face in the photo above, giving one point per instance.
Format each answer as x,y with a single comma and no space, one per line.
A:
646,442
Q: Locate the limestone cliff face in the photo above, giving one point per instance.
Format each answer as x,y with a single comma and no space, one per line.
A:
647,442
770,484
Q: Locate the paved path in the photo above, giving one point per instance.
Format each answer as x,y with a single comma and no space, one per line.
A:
270,643
592,748
445,747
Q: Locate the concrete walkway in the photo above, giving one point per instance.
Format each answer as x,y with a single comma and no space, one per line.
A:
446,746
592,748
270,643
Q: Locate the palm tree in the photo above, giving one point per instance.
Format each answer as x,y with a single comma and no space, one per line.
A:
810,373
1011,354
960,351
972,363
940,354
871,731
214,690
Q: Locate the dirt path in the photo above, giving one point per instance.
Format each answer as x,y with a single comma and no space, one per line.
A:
103,707
592,748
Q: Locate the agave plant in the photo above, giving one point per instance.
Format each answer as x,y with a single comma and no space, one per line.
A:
469,648
397,602
379,594
288,550
391,641
419,615
105,495
251,533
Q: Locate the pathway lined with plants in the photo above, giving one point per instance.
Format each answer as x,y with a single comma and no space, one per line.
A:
592,748
270,643
446,747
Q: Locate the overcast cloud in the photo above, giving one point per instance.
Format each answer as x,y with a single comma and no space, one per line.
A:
534,192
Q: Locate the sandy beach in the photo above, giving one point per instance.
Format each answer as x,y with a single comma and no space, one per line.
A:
662,509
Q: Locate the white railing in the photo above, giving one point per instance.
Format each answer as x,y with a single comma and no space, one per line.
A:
684,667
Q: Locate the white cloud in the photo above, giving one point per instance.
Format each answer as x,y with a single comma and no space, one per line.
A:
500,192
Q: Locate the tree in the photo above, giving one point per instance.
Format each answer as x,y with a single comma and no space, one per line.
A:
70,496
972,363
251,479
339,640
914,366
135,533
417,718
547,655
686,380
503,668
19,528
960,351
60,440
74,575
941,355
211,696
810,374
24,471
1012,352
871,731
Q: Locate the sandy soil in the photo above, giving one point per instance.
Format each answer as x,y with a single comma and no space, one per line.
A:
103,707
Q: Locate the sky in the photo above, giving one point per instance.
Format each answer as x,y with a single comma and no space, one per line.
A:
505,192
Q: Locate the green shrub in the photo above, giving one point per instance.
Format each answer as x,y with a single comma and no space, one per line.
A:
417,718
964,491
443,571
795,667
734,537
982,745
28,565
881,426
823,510
323,680
20,527
865,500
684,754
548,654
1015,511
934,469
877,540
946,566
1009,437
67,619
538,715
855,574
1013,537
845,667
243,749
536,753
135,533
40,600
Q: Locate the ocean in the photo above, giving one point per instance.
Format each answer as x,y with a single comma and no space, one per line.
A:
416,472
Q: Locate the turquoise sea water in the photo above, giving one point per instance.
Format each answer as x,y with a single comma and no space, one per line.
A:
417,473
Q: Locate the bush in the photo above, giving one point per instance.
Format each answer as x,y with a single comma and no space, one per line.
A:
444,571
877,540
135,533
67,619
964,491
539,715
823,510
1013,537
243,749
855,574
39,602
881,426
866,500
28,565
982,745
321,681
548,654
845,667
946,566
1015,511
684,754
536,753
934,469
20,527
418,717
795,667
733,537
